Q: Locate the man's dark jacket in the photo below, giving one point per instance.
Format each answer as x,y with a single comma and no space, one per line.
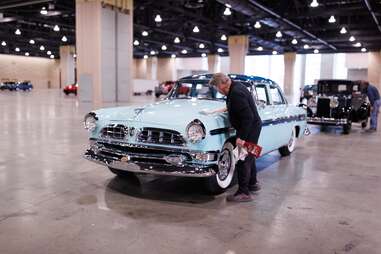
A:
243,113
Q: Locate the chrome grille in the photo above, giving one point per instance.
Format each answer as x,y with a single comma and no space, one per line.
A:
114,131
160,136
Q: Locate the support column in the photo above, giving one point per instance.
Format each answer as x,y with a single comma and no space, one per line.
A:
152,68
374,68
214,63
67,65
326,66
166,69
289,69
238,47
104,50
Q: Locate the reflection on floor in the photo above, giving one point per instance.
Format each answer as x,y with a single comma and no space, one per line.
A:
324,198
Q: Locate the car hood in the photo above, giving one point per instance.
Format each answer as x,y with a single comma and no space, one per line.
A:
178,112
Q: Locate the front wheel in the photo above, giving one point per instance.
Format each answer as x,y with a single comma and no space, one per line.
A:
347,128
223,179
290,147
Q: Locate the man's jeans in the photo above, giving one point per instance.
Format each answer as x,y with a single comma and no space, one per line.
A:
374,114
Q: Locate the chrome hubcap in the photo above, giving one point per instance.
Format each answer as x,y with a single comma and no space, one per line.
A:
224,165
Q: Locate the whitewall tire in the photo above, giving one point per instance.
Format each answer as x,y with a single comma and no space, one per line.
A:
290,147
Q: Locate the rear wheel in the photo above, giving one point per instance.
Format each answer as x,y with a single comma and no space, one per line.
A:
122,173
223,179
364,124
290,147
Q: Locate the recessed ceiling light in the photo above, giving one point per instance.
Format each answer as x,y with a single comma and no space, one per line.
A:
52,56
3,43
352,38
42,48
196,29
363,50
332,19
145,33
49,52
44,11
294,41
158,18
227,11
343,30
223,37
279,34
201,45
357,45
203,55
152,52
136,43
17,49
220,50
163,47
306,46
18,32
145,56
173,56
56,28
316,51
184,51
177,40
260,48
257,25
26,53
64,38
32,41
275,52
314,4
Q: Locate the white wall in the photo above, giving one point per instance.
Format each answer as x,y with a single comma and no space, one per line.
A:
40,71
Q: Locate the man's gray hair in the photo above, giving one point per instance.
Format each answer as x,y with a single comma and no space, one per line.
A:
218,78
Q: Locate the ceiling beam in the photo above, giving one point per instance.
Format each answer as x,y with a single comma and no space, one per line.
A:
25,3
373,14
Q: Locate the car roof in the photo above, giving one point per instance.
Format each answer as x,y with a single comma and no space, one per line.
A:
335,81
236,77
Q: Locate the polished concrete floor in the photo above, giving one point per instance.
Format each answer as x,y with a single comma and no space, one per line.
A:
325,198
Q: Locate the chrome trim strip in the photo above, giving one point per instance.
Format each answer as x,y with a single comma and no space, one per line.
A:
327,120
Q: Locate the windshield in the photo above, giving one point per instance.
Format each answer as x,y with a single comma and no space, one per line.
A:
200,89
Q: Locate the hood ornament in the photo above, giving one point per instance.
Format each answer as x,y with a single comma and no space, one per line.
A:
138,111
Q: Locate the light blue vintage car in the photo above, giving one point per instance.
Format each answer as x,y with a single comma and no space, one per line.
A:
176,137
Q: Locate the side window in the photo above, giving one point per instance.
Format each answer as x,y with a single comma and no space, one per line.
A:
262,94
276,96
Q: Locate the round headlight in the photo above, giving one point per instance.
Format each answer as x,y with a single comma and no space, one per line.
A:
195,131
90,121
334,103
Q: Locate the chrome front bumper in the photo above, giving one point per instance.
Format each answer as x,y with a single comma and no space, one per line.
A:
327,121
152,160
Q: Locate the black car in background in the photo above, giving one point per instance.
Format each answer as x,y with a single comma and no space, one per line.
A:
8,85
338,103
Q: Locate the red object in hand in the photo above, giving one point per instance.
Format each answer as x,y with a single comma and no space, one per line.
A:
253,149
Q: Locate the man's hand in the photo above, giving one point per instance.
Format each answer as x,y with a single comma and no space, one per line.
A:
240,142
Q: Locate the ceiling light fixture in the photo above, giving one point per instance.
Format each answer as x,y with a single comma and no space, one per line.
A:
42,48
184,51
32,41
49,52
145,33
18,32
260,48
173,56
363,50
314,4
26,53
343,30
357,45
17,49
51,56
220,50
163,47
44,11
152,52
223,37
294,41
203,55
332,19
316,51
257,25
177,40
201,45
306,46
227,11
279,34
3,43
275,52
64,38
196,29
158,18
56,28
145,56
136,43
352,38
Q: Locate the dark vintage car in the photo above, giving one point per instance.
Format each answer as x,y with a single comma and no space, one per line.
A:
164,88
338,103
71,89
8,85
308,92
24,86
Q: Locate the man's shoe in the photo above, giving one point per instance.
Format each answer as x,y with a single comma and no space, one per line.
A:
254,188
239,198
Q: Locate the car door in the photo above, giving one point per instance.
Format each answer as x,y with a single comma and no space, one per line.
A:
283,127
262,99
